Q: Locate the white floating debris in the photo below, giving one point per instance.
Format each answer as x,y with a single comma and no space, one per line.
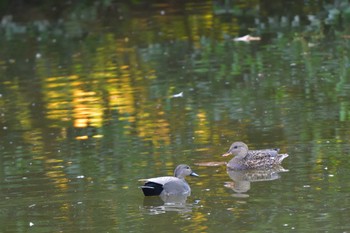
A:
31,224
38,55
80,177
306,186
32,205
181,94
247,38
331,175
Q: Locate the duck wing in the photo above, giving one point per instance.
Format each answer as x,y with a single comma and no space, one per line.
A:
160,180
261,158
177,187
269,152
155,186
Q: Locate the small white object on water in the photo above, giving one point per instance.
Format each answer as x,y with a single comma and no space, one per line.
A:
80,177
178,95
31,224
38,55
247,38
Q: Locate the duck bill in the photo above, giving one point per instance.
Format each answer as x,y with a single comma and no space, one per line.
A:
226,154
194,174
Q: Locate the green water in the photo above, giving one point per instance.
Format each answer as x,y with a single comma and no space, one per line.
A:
90,104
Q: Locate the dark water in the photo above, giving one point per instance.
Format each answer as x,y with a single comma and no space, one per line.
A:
90,103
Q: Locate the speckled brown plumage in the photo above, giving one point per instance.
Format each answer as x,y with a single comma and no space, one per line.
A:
252,159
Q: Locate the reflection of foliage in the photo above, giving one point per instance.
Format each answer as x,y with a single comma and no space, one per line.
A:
122,70
114,69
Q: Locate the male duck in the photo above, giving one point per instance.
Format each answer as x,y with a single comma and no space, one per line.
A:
169,185
251,159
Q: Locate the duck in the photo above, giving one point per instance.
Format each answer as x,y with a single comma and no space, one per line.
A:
169,185
253,159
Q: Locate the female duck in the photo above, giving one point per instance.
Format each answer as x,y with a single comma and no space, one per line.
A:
169,185
252,159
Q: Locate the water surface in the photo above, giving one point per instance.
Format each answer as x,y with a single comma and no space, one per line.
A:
90,103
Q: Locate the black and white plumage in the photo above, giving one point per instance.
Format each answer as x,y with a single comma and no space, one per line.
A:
252,159
169,185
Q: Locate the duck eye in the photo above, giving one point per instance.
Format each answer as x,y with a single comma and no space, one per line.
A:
235,147
187,167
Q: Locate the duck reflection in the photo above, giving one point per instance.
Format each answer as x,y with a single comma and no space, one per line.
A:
167,203
242,179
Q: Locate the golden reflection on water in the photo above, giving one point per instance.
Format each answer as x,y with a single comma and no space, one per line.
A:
202,130
54,170
57,96
121,96
198,224
67,100
152,126
87,109
116,81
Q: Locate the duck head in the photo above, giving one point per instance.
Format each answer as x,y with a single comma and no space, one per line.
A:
237,149
184,170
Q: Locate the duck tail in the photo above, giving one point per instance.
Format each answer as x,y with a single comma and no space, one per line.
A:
151,189
281,157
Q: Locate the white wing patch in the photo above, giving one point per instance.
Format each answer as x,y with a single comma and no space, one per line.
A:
161,180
